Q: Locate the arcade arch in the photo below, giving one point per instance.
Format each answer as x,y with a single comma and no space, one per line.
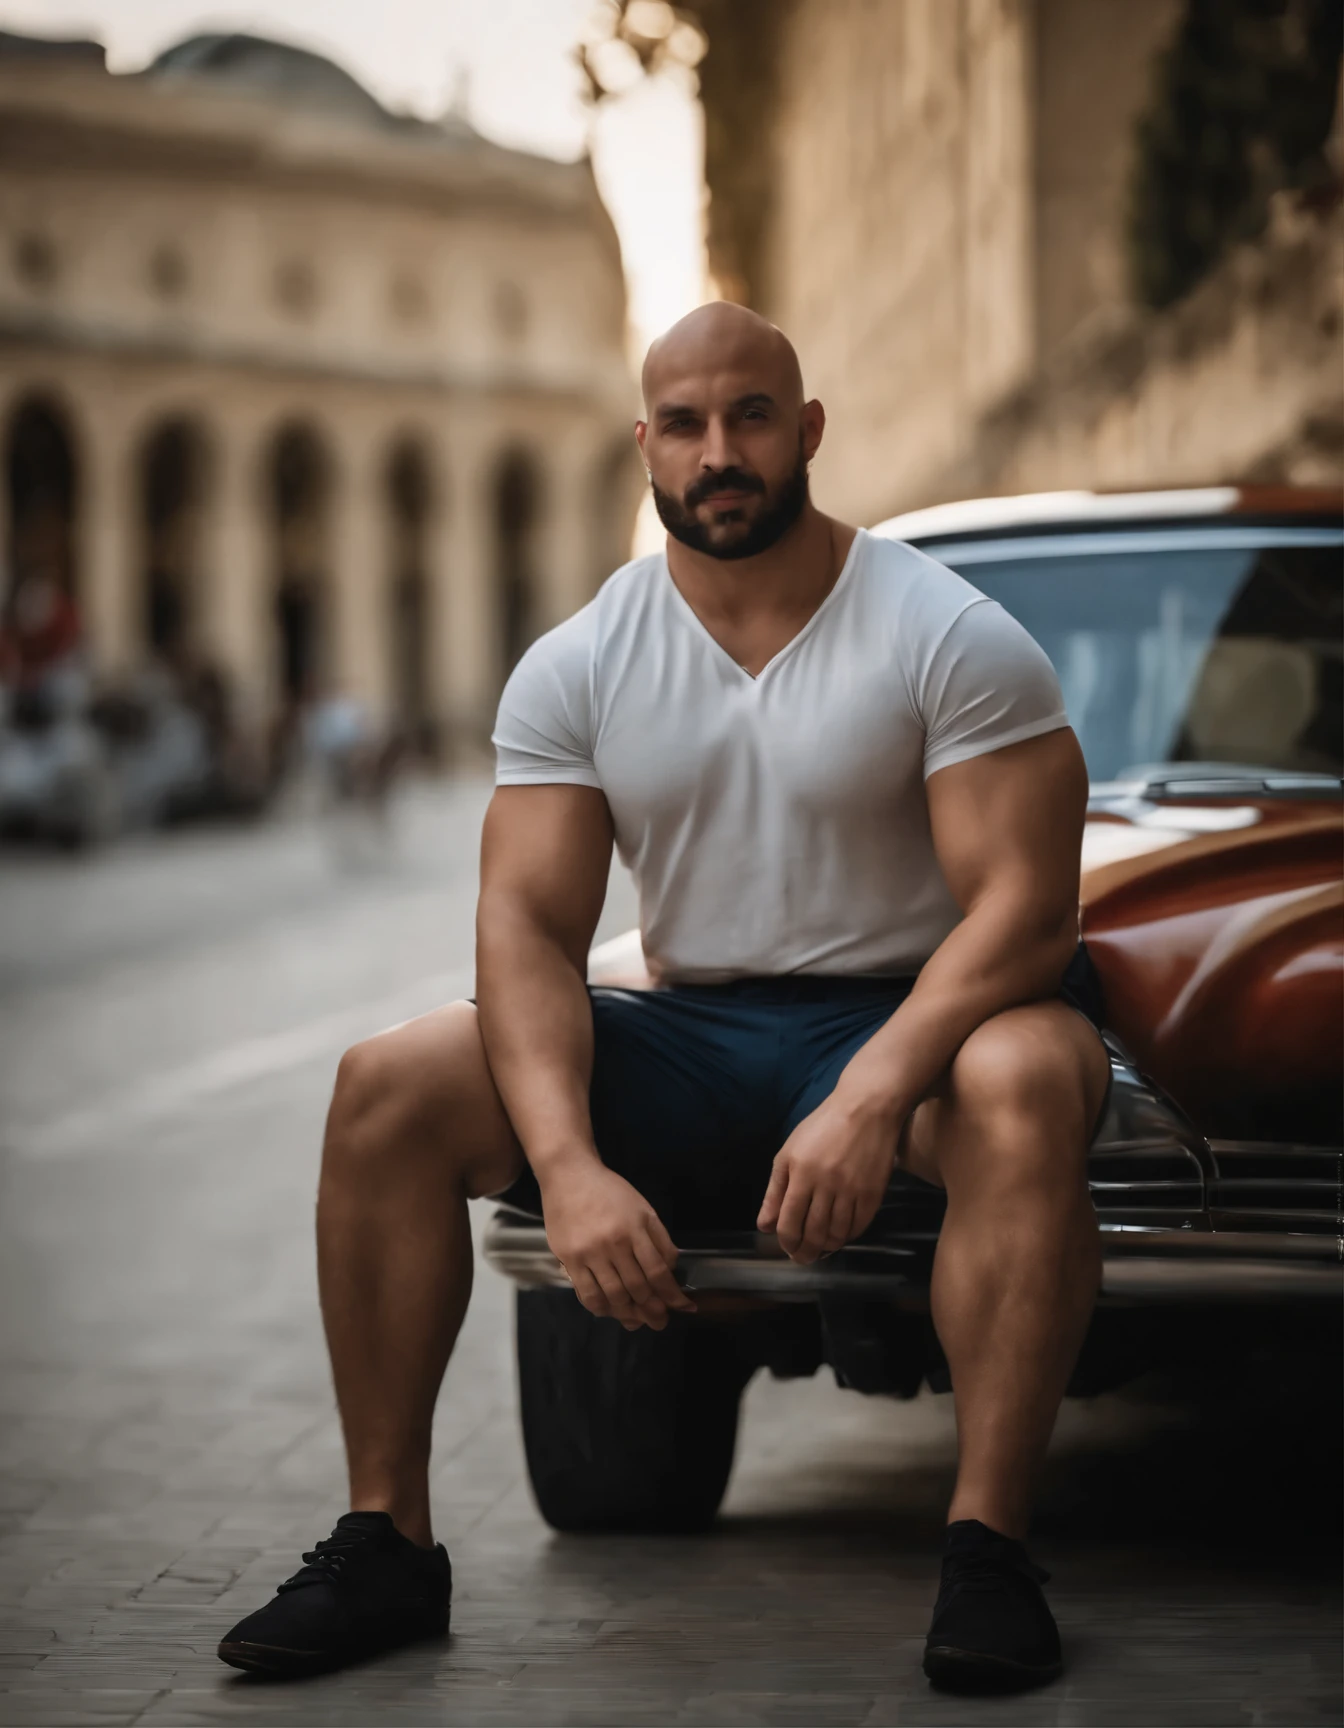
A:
518,504
298,483
42,485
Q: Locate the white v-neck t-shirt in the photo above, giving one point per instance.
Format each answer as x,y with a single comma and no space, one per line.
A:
779,824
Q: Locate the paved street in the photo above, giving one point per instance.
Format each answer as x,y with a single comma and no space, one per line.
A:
171,1014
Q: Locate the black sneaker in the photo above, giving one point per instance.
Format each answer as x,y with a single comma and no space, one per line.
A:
992,1630
364,1590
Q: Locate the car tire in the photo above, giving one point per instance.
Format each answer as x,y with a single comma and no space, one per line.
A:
625,1430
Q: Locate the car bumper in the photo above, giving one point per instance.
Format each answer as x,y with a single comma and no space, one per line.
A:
1140,1265
1183,1220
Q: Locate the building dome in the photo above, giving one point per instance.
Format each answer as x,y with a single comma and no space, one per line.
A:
265,68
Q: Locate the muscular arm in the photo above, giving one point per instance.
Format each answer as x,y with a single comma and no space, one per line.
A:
1008,832
545,855
1007,829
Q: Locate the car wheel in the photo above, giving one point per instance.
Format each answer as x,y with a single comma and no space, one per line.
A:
625,1430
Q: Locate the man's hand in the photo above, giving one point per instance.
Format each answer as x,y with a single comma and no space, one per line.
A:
829,1178
613,1245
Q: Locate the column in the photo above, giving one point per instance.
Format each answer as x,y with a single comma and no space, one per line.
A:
107,538
237,625
566,567
360,575
465,657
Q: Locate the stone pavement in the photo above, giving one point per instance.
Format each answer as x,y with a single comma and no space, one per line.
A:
170,1016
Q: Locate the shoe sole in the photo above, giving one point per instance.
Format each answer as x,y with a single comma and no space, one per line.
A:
278,1663
955,1670
268,1659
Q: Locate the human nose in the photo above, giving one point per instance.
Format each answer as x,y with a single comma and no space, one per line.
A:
718,450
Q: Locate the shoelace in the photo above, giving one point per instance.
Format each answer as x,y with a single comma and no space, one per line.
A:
325,1563
982,1573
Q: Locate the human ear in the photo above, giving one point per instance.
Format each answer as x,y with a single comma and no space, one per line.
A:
813,425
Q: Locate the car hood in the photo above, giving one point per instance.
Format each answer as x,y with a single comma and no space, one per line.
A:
1216,922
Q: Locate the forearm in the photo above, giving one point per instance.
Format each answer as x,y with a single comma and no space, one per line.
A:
1006,951
537,1026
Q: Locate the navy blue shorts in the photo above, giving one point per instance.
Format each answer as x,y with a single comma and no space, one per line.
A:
695,1088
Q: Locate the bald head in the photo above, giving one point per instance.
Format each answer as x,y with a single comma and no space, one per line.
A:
723,337
726,433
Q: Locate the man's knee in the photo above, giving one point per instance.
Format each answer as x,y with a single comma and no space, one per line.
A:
1020,1093
372,1083
420,1092
1013,1070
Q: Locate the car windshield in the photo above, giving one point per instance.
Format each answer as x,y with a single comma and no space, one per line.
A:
1183,646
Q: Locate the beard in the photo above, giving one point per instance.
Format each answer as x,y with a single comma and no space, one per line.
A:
782,510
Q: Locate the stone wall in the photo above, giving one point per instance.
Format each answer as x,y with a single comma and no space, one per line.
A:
1243,380
1091,72
898,251
941,232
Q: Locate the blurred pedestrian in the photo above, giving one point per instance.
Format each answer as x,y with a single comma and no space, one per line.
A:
40,639
356,765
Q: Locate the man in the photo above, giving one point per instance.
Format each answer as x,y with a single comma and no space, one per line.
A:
846,787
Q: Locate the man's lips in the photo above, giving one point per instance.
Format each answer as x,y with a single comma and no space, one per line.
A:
726,497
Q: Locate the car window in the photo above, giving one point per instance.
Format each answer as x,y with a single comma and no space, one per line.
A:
1222,653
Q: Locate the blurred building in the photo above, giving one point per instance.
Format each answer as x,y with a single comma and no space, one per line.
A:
328,397
935,198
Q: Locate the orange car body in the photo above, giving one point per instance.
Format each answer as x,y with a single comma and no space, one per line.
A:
1222,959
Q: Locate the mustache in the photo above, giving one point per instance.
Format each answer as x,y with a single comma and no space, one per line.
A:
726,480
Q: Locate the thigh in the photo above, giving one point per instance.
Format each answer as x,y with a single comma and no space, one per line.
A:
429,1077
1043,1061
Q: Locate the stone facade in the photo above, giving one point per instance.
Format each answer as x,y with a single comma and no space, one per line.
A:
333,399
929,196
898,257
1239,381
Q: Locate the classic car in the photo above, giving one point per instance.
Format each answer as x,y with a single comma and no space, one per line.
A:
1197,636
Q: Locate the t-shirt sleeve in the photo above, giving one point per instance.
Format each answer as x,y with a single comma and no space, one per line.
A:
988,684
543,731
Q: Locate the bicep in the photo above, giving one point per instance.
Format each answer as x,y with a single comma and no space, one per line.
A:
1011,820
545,857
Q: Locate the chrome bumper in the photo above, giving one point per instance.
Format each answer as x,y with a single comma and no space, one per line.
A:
1140,1265
1183,1219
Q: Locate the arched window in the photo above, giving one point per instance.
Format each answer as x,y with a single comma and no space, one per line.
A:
517,513
410,500
172,493
42,481
299,487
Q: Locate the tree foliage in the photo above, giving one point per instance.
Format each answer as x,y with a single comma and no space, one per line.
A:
1241,108
625,40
